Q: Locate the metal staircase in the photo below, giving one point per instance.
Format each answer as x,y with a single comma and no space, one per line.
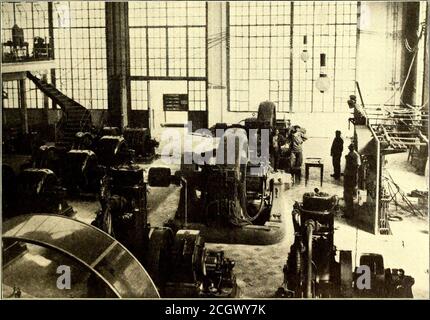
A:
75,116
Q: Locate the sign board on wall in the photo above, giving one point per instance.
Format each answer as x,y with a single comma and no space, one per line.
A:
175,102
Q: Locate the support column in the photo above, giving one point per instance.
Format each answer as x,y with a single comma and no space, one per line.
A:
410,25
217,66
23,106
118,62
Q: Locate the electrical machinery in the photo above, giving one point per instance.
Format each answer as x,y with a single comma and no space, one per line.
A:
233,196
82,167
77,169
34,191
48,156
82,172
113,151
41,48
16,49
178,262
139,139
312,270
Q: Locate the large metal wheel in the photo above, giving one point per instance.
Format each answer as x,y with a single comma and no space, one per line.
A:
99,266
346,279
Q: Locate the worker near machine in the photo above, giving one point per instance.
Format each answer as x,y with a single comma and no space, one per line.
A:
277,142
288,128
359,118
336,154
353,162
297,137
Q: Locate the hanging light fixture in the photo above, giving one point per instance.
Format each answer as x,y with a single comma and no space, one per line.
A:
323,82
304,56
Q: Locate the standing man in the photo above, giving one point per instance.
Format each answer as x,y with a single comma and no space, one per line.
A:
353,162
298,136
277,142
336,154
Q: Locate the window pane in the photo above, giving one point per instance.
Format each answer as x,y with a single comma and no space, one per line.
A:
80,51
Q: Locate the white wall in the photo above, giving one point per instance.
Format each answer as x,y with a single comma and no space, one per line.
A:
379,53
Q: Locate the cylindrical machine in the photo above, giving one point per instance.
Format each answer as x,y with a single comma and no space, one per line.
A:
312,271
309,269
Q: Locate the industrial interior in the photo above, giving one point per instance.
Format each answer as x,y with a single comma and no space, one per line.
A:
193,149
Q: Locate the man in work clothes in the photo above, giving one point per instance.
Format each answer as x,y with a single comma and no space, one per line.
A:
353,162
297,137
336,154
278,141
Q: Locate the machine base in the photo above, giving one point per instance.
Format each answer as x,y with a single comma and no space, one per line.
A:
270,233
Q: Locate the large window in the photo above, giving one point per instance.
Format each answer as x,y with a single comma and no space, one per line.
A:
265,43
259,54
168,42
80,51
33,19
11,89
331,28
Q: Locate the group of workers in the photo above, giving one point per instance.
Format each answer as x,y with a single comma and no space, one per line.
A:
293,144
350,174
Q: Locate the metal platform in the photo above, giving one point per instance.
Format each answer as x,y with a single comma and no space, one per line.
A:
18,70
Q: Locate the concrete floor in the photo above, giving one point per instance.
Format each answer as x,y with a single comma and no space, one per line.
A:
259,268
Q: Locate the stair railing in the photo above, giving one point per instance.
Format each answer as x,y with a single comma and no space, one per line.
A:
84,119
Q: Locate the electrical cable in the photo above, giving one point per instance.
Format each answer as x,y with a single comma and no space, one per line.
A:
409,209
409,49
404,83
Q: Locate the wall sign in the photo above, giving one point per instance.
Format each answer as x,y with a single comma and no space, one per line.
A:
175,102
